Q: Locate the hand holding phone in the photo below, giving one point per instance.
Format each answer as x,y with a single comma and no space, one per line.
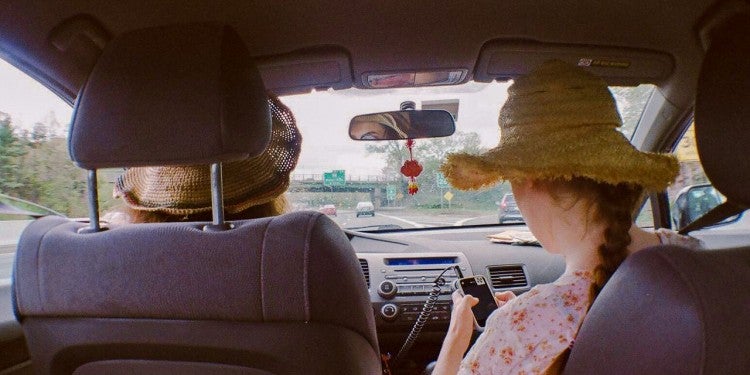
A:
478,287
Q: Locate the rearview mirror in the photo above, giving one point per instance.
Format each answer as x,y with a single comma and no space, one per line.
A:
402,125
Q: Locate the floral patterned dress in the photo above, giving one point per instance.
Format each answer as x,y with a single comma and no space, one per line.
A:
527,334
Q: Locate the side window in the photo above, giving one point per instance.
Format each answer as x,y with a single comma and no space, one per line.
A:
645,218
37,177
691,196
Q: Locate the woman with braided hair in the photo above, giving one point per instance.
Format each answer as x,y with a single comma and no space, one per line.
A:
578,183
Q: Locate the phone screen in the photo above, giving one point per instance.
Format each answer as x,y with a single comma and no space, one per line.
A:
477,286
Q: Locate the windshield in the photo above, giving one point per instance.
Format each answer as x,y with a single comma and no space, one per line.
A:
335,174
333,169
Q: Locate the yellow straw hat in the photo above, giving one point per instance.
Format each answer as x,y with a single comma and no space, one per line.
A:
559,122
185,190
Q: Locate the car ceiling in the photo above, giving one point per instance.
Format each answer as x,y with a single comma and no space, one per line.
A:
376,35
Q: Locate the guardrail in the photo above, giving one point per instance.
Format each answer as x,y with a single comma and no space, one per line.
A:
305,177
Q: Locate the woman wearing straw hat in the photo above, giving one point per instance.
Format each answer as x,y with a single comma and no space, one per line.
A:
252,188
577,181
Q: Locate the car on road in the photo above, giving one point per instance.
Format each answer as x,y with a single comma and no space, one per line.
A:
365,208
329,64
328,209
508,210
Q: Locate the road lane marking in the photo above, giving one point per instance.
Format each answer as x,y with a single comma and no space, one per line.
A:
415,224
463,221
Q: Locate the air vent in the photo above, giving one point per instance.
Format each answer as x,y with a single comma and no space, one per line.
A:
365,270
508,276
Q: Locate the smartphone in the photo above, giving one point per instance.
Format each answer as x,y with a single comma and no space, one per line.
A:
478,287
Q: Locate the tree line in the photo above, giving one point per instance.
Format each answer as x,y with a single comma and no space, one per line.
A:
431,153
34,165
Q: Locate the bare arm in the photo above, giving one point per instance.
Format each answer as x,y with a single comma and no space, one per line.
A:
459,335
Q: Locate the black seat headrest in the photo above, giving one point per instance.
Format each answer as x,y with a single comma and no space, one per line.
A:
722,110
172,95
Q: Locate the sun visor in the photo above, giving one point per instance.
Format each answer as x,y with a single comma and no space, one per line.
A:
722,109
300,72
174,95
503,60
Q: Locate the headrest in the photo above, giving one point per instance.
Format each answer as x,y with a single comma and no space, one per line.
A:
172,95
722,110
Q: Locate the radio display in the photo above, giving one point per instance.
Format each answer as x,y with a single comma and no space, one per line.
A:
419,261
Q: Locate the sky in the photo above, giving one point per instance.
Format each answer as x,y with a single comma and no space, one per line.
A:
26,100
323,117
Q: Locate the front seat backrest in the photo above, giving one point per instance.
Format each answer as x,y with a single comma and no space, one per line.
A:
281,295
670,310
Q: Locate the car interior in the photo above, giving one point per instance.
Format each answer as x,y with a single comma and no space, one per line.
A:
177,83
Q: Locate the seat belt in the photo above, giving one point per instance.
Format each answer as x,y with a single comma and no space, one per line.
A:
716,215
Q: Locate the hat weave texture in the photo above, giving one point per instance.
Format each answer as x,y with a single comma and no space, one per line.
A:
185,190
560,122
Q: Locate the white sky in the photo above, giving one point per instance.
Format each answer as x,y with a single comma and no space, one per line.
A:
323,117
26,100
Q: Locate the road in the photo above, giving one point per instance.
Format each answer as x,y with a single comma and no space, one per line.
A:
413,218
6,265
402,218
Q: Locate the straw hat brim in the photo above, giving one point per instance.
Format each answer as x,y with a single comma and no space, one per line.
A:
601,155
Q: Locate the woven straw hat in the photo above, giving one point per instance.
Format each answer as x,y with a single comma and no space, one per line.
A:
559,122
185,190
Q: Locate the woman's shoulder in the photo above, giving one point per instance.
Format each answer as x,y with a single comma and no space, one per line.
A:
670,237
569,292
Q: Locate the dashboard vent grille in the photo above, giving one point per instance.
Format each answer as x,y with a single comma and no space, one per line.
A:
507,276
365,270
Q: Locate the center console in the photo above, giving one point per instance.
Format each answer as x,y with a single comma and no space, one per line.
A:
400,284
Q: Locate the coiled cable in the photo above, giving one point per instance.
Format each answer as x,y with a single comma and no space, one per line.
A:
427,309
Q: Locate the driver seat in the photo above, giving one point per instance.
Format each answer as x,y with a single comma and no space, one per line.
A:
280,295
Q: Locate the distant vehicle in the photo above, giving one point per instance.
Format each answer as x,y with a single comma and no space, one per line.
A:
328,209
365,208
509,210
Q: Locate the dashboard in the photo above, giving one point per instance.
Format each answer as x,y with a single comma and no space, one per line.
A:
401,267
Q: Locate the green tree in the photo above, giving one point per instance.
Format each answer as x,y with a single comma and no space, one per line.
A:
11,149
50,179
431,153
395,153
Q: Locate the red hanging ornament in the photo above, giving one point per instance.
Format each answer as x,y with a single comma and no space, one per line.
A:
411,169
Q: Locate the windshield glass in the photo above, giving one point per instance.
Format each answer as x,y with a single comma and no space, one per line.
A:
334,169
334,173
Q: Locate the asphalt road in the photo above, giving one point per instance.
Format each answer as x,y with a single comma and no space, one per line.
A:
412,219
347,219
6,265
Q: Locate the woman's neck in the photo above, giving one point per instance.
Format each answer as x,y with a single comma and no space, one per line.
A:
577,238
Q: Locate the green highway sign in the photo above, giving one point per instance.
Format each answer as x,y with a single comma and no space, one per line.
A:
334,178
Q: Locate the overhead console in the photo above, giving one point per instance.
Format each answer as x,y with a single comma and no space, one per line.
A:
507,59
